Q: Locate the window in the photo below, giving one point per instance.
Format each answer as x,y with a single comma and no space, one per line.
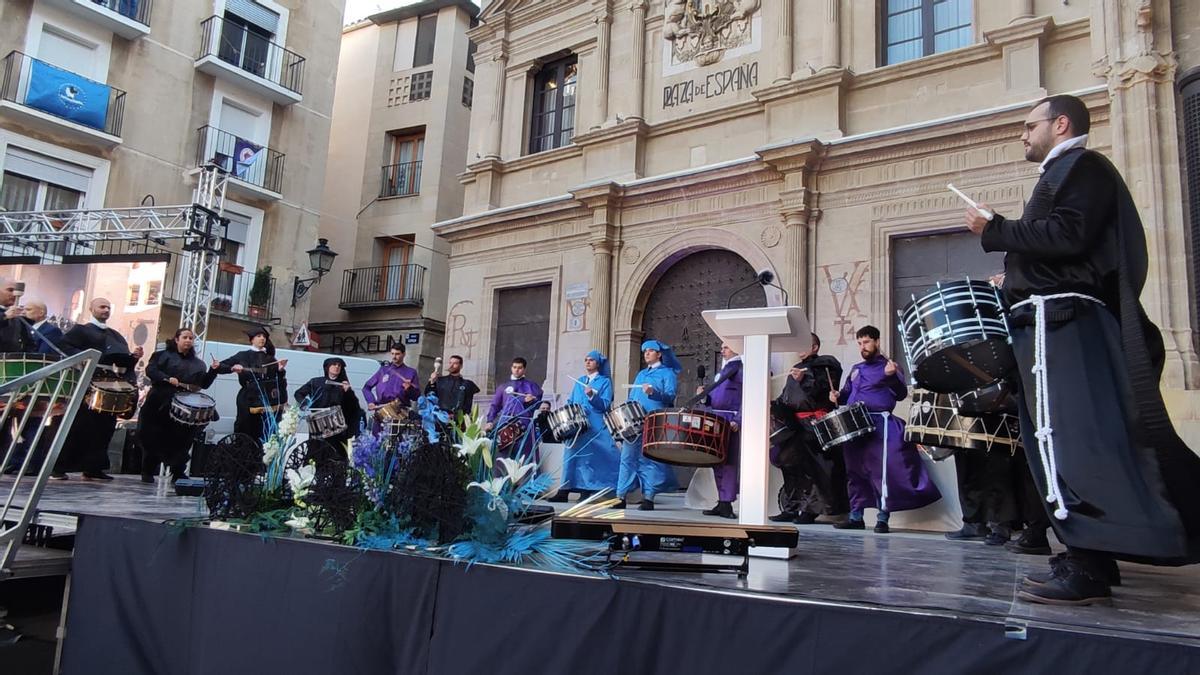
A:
246,35
36,182
420,86
397,279
426,34
552,122
135,294
153,292
915,28
67,52
402,168
468,91
471,49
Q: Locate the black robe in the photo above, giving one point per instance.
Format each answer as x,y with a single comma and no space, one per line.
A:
86,445
324,395
455,393
259,391
1128,480
813,481
162,438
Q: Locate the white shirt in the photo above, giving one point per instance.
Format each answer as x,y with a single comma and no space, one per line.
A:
725,362
1070,143
97,322
39,324
655,365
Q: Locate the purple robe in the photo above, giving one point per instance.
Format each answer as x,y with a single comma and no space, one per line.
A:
508,403
726,401
908,485
388,384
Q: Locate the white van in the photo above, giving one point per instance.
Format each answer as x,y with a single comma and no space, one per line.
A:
301,367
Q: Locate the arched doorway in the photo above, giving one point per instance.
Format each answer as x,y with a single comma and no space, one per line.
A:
702,280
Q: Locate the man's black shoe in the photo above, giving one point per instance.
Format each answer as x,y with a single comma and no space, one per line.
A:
58,475
1070,584
1111,574
996,538
805,518
96,475
619,505
147,478
559,497
646,505
784,517
722,510
850,525
882,528
968,532
1030,543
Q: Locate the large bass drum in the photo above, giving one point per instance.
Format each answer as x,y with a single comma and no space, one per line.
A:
956,337
933,421
842,425
686,438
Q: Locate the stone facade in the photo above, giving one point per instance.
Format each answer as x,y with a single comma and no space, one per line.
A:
374,204
797,150
178,80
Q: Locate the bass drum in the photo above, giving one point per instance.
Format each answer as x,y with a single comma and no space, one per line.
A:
686,438
933,421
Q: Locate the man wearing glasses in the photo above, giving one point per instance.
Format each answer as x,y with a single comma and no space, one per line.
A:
1117,480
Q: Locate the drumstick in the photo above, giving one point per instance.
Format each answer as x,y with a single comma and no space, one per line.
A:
973,204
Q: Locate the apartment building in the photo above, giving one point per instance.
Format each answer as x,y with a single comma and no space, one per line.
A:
117,103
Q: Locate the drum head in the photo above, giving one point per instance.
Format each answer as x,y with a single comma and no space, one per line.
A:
194,399
965,367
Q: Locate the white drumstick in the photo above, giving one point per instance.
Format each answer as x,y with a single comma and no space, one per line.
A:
632,386
983,212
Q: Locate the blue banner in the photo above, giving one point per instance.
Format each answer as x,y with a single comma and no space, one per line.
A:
67,95
245,154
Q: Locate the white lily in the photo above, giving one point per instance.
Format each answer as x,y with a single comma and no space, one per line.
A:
492,486
289,421
514,470
300,480
298,522
271,450
470,446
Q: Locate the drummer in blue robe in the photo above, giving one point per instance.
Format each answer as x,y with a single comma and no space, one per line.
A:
590,460
882,470
654,388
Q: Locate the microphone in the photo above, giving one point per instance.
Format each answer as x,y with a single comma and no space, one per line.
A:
765,277
700,372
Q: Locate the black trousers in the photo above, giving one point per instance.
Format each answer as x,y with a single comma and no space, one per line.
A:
813,482
86,445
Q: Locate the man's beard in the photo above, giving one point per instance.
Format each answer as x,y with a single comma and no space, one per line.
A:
867,354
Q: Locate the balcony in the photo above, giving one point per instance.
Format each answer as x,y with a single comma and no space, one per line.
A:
257,170
388,286
401,180
128,18
236,293
38,93
228,50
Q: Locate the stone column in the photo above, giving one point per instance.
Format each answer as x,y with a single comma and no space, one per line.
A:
638,7
603,42
496,120
795,256
601,306
783,33
831,36
1022,9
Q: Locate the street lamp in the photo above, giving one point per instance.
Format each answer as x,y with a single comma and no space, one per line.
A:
320,259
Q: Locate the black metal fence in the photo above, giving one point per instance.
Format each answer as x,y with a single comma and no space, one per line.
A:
401,180
386,286
253,52
254,164
42,86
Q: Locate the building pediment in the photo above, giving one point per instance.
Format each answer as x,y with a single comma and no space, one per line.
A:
520,7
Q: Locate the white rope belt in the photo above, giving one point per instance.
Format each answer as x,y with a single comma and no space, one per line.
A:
1045,432
883,484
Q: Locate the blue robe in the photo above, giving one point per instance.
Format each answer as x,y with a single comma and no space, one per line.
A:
654,477
590,462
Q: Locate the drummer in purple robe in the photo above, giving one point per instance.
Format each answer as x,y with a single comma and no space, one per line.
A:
512,410
882,470
725,399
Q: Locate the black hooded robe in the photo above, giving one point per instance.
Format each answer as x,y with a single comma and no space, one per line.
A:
813,481
318,393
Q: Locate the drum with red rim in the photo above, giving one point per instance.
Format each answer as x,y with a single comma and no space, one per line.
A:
685,438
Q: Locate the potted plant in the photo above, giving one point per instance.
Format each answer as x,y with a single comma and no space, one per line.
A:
260,293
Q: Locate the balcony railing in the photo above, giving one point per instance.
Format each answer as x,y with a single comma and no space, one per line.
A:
388,286
244,294
137,10
246,161
242,48
40,86
401,180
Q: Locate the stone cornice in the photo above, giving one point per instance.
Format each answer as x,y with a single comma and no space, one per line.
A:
840,78
1037,28
625,128
950,60
1072,30
705,118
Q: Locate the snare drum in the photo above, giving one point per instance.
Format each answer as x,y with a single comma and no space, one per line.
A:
844,424
568,422
391,412
956,337
111,396
624,422
326,422
193,409
686,438
16,364
933,420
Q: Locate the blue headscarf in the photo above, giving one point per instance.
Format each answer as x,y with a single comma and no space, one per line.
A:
600,360
665,353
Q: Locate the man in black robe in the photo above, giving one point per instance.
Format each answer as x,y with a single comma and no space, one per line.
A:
14,336
814,482
455,393
86,446
1118,480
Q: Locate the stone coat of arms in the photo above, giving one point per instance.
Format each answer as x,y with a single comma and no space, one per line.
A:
701,30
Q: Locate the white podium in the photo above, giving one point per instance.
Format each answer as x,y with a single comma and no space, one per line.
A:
756,333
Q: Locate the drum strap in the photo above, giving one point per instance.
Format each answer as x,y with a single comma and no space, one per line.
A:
1045,432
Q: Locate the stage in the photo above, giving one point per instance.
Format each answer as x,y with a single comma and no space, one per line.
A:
150,597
